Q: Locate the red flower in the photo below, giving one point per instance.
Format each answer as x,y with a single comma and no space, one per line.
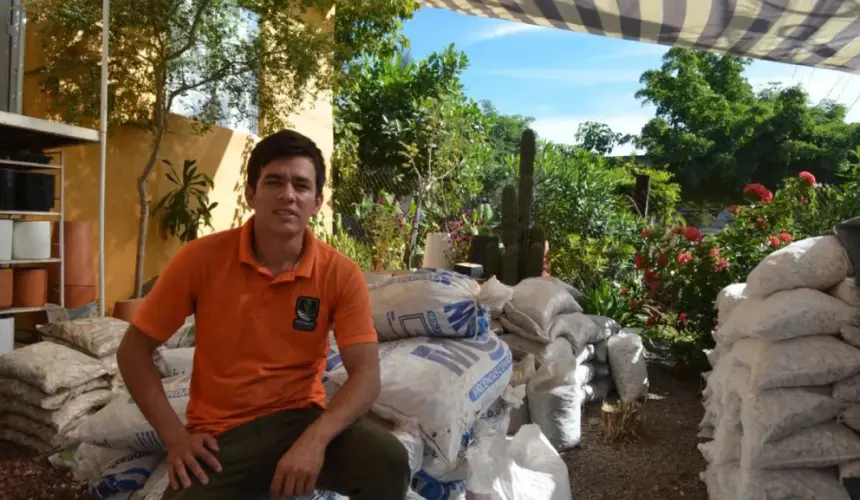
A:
652,287
807,178
652,320
721,265
634,305
650,274
640,261
661,260
761,222
735,210
682,318
786,237
773,241
646,233
759,193
684,258
714,253
692,234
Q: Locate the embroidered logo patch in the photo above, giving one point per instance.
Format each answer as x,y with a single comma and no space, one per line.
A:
307,311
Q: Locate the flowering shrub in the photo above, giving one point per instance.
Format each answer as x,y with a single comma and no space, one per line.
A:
387,226
460,230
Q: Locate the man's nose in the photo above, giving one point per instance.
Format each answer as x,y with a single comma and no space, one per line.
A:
288,193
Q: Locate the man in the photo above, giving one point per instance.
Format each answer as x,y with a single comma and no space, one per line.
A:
264,297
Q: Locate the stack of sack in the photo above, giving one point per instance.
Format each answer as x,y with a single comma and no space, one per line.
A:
47,389
96,337
782,398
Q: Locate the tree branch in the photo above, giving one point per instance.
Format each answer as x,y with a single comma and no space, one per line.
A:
192,32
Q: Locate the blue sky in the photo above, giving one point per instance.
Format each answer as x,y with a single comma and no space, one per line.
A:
562,78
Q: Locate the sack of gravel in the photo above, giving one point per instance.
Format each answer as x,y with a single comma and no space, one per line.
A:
728,299
819,263
578,329
50,367
851,417
608,326
109,361
558,349
801,362
790,484
43,437
97,337
824,445
784,315
777,413
555,404
848,291
534,305
61,419
847,390
12,388
850,334
598,389
628,366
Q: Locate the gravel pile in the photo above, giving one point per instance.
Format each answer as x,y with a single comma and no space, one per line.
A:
25,477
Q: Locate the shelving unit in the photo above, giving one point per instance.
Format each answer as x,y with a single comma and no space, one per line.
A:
24,134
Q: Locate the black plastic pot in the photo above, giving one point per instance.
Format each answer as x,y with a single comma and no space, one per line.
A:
34,192
7,188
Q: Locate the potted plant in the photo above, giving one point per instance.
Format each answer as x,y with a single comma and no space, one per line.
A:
181,213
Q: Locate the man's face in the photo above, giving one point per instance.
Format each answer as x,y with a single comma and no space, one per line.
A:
285,197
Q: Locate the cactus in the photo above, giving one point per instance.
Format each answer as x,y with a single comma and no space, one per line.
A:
523,252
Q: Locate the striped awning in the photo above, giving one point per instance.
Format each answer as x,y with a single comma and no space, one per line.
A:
819,33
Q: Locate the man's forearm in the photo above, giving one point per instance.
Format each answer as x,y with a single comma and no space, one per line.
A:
351,402
143,381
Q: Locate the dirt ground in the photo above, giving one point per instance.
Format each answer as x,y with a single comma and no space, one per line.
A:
664,465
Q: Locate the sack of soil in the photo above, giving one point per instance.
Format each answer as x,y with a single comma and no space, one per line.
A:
50,367
819,263
628,365
534,306
555,403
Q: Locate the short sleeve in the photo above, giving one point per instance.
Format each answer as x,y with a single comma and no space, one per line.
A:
173,297
353,320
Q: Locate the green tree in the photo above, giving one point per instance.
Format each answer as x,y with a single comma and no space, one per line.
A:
599,138
210,54
716,134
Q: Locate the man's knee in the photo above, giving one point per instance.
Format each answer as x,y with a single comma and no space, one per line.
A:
390,458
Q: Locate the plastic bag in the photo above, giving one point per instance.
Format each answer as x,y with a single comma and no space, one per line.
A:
525,467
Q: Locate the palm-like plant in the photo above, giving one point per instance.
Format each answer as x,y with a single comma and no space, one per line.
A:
186,207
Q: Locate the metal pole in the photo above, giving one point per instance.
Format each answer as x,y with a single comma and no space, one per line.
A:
103,153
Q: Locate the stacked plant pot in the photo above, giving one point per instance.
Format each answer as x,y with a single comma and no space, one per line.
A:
79,267
31,241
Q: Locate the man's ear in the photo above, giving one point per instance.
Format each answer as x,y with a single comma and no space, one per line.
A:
250,195
318,204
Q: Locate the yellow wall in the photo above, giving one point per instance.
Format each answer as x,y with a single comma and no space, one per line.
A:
219,153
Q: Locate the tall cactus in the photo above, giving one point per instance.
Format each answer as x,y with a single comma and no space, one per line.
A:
525,195
509,271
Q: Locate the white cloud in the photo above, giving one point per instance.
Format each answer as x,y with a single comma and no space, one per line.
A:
503,29
577,77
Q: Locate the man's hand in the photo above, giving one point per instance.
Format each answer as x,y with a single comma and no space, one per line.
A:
183,455
297,471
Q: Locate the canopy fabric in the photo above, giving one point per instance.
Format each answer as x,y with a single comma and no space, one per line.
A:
818,33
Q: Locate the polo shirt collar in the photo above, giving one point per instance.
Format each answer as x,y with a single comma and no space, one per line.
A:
303,269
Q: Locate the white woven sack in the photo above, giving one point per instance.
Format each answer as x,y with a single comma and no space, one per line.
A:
555,405
601,351
110,472
184,337
534,305
851,334
819,263
823,445
12,388
494,295
579,329
784,315
50,367
597,390
790,484
97,336
707,451
850,470
608,326
847,390
443,384
434,304
803,362
851,417
59,420
628,365
558,349
774,414
121,425
729,298
847,291
174,362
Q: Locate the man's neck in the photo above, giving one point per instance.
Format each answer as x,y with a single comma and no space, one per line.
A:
278,253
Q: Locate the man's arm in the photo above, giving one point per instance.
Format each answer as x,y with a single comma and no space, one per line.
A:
355,397
141,376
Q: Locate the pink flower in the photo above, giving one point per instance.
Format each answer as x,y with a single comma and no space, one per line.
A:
721,265
692,234
786,237
684,258
807,178
714,253
773,241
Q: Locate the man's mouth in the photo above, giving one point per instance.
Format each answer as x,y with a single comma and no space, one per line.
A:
283,212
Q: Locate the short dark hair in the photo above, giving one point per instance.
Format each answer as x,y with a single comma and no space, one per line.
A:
281,145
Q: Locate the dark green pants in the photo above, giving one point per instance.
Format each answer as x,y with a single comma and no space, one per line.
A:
365,462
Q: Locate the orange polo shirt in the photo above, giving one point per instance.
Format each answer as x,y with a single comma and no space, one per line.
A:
261,340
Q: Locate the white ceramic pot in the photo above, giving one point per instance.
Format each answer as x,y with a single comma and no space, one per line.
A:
6,239
7,335
436,249
31,240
